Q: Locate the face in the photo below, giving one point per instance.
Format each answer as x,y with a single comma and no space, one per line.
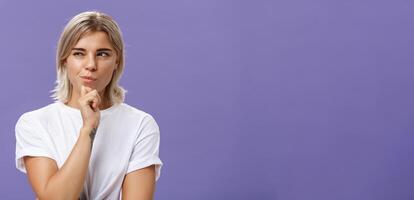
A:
91,62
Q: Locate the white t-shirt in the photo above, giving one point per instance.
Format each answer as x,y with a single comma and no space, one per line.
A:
127,140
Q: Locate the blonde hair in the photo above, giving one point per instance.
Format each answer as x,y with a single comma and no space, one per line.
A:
79,25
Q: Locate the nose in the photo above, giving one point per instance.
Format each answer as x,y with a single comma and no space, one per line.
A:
91,63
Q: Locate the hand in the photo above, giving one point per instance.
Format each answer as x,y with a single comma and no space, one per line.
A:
89,102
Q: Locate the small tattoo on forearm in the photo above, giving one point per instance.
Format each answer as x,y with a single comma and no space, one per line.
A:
92,135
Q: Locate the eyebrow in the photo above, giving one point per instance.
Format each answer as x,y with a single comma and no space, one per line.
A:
82,49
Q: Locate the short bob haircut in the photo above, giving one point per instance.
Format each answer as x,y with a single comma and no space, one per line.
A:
78,26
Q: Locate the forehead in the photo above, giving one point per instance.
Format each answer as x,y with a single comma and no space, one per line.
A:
94,40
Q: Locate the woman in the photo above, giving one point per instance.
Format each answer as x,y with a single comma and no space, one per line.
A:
89,144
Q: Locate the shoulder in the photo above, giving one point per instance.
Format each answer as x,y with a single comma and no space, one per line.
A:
31,124
134,112
38,115
139,116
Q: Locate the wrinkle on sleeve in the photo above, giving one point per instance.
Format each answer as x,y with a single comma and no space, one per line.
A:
29,141
146,147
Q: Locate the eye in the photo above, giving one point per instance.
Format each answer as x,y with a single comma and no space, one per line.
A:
103,54
77,53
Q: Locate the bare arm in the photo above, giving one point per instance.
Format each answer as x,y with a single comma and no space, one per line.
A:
50,183
140,184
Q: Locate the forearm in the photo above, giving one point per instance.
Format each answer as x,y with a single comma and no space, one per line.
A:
68,181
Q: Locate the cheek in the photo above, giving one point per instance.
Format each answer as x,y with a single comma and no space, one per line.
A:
107,72
73,69
72,78
107,77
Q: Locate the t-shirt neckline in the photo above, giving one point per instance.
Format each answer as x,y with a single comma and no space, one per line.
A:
77,111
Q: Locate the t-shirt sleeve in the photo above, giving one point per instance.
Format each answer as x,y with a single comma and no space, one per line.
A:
146,147
29,142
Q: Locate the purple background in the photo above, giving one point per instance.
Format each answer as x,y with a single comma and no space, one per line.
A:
255,99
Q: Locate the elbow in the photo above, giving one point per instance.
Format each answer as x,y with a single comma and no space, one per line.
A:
54,196
55,191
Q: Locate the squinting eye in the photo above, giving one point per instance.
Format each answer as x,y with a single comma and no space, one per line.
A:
78,54
103,54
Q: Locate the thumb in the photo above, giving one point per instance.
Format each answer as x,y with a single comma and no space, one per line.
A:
87,89
83,90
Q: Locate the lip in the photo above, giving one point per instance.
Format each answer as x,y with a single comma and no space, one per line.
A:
88,79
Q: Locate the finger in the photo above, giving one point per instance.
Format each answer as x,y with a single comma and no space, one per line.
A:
97,96
99,99
96,104
89,102
83,90
88,89
94,100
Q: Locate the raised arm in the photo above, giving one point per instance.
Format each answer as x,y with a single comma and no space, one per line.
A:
49,182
